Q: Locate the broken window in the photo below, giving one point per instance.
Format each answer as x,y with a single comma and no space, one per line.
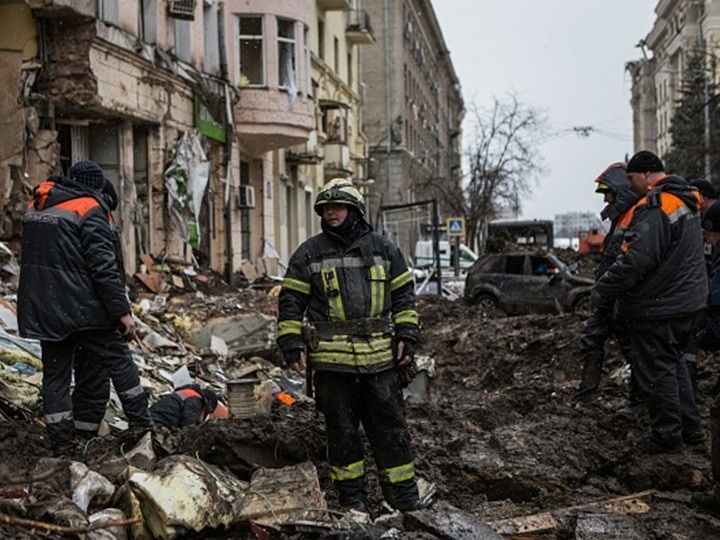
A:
182,40
108,11
308,71
210,36
516,264
287,61
147,21
252,51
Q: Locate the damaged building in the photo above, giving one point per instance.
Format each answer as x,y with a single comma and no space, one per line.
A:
216,122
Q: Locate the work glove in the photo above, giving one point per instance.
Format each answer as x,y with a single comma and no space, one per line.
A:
404,352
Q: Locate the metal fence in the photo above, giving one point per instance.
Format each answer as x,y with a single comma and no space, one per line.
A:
408,224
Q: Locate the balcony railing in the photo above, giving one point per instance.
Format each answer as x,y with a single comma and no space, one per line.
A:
334,5
358,28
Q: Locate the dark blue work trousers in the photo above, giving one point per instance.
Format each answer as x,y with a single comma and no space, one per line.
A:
662,375
95,355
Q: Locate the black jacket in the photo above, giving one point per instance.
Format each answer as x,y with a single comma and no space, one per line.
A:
184,407
330,278
70,278
616,211
661,271
708,337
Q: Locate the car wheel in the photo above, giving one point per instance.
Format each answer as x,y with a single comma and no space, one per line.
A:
487,304
583,306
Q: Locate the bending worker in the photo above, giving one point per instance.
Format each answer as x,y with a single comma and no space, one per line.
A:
187,405
354,288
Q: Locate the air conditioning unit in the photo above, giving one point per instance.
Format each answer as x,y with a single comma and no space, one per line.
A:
182,9
246,197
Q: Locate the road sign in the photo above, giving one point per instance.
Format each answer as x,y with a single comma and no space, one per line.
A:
456,226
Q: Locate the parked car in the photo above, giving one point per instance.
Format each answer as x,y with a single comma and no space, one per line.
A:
523,282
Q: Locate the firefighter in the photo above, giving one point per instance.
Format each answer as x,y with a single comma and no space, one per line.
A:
187,405
613,184
353,288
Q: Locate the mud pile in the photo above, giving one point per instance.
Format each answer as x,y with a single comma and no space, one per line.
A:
498,436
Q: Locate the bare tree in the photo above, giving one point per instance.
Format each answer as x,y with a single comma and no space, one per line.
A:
503,163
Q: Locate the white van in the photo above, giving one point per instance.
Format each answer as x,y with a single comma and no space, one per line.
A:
424,255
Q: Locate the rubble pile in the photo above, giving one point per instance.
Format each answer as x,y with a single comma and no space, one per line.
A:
494,431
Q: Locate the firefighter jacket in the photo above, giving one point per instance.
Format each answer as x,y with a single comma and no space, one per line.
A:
708,338
660,272
184,407
357,297
70,279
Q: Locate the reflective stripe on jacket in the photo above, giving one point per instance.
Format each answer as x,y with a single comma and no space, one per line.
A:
330,283
69,258
661,270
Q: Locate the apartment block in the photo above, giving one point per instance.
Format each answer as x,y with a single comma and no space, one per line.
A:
681,28
414,104
216,122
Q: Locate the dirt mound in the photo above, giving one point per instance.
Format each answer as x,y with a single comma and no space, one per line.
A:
498,435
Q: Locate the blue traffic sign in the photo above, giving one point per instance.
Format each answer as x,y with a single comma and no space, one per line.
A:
456,226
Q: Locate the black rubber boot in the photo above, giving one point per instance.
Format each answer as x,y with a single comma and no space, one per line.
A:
61,437
403,495
351,494
590,382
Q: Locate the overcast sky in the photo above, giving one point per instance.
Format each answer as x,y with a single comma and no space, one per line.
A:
566,58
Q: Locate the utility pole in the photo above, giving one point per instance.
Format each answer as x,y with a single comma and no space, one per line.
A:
388,100
706,93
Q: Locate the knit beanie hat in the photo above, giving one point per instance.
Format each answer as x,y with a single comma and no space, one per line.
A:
705,188
88,173
711,218
645,161
210,398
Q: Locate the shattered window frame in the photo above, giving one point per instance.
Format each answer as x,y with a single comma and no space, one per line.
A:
251,70
287,54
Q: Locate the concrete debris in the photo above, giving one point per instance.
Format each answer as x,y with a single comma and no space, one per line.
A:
184,493
112,532
88,486
281,496
445,521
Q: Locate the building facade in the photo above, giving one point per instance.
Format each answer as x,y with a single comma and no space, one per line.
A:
681,28
217,122
414,105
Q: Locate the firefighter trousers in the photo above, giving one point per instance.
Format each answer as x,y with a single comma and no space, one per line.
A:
375,401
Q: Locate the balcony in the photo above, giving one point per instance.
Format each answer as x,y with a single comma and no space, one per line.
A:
265,120
304,154
337,160
334,5
358,29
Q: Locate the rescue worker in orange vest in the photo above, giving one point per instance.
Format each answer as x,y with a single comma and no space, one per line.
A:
354,288
600,325
187,405
71,297
660,286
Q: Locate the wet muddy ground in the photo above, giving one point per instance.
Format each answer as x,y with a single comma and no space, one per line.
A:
498,436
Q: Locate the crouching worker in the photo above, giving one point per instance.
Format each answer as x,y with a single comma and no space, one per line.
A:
354,287
187,405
